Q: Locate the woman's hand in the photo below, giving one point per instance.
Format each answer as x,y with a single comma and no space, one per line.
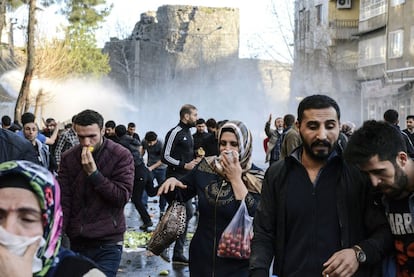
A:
17,266
233,172
169,185
231,166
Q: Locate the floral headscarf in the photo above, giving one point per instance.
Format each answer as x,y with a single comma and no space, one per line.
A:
251,177
47,190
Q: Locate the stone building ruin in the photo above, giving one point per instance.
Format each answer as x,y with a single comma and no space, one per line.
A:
191,54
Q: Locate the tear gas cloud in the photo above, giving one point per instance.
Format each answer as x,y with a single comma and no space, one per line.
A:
157,113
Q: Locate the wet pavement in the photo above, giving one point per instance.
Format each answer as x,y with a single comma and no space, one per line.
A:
141,262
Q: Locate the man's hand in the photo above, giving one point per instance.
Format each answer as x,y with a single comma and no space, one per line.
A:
341,264
88,163
13,265
190,165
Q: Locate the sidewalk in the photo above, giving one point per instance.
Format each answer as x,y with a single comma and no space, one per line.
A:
141,262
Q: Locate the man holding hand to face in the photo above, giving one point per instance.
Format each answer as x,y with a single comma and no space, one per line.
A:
96,177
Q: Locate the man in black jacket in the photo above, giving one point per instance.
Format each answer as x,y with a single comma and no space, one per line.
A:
142,179
14,147
178,155
317,216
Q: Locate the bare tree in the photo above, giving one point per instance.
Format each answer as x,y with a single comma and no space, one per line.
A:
23,103
2,18
121,57
122,61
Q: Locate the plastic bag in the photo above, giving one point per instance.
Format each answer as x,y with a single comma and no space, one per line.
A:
235,239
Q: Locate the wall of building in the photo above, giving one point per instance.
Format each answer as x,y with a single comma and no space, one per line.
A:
326,54
187,54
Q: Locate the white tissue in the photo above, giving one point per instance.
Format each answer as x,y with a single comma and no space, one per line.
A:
18,245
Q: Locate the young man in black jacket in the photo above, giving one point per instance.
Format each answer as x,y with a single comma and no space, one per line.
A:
178,155
143,177
379,150
317,216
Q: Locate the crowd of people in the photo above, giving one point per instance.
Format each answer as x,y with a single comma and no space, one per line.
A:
335,200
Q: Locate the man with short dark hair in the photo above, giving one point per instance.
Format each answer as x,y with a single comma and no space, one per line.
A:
211,142
143,178
178,154
30,118
96,177
391,116
6,122
410,128
110,130
378,149
131,131
153,145
317,216
200,137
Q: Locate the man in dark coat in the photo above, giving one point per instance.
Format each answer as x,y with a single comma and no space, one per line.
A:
317,216
96,177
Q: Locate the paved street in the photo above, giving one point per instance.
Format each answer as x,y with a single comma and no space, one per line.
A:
141,262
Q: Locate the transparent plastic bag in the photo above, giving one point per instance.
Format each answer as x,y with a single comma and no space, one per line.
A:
235,239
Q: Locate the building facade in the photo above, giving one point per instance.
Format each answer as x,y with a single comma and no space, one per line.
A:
386,65
379,34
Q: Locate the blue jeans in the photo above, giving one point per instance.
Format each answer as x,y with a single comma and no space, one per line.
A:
107,257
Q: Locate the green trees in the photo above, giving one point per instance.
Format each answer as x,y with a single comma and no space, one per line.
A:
76,55
84,17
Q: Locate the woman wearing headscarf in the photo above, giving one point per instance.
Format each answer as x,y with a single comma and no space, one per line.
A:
31,225
220,183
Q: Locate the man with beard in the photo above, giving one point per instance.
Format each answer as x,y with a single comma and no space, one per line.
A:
96,178
178,155
317,215
378,149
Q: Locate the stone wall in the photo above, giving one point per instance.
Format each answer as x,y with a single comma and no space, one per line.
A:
187,54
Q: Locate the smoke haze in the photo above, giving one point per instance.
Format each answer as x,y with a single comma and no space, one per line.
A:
159,114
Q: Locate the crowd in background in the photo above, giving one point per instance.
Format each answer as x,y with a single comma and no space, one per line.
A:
321,172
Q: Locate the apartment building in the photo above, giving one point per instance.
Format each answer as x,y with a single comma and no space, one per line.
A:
326,53
391,49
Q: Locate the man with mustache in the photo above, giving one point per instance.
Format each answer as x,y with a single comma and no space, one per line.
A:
317,216
379,150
